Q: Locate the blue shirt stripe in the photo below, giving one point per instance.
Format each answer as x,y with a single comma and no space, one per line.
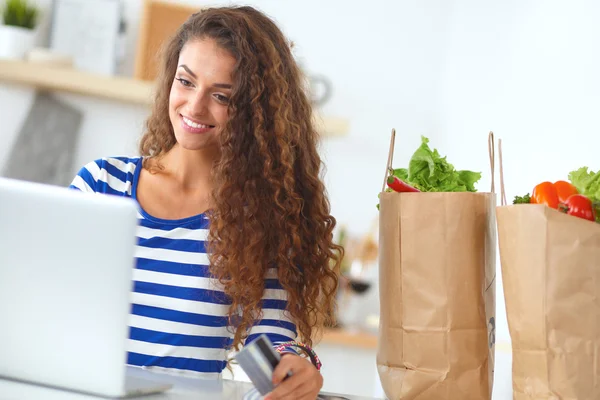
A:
173,267
273,337
117,173
87,177
272,284
196,223
179,316
190,364
277,323
175,339
274,304
191,246
184,293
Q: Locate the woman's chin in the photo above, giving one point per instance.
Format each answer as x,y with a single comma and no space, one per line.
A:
195,143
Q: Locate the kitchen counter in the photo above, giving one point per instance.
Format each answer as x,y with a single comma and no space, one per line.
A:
184,388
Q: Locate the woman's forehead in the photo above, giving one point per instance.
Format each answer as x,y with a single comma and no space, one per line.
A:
204,58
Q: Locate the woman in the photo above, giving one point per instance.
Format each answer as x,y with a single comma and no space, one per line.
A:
235,234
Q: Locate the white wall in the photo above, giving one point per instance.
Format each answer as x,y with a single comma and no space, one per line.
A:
528,70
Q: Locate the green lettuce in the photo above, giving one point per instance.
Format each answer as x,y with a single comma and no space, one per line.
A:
587,182
428,171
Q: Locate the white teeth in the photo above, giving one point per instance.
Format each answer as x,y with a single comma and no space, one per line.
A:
192,124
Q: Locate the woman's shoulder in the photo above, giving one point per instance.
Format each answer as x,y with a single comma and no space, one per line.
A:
113,175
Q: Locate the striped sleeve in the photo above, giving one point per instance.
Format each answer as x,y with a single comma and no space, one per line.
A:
112,175
275,321
86,178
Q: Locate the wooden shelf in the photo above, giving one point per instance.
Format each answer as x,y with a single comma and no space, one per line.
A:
73,81
113,88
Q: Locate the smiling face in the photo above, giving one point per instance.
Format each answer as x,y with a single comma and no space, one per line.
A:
200,94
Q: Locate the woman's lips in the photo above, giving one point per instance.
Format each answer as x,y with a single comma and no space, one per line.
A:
195,127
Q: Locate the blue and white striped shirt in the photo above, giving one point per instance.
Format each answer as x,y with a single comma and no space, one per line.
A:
178,320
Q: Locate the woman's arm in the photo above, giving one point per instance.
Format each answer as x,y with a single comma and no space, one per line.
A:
275,322
305,381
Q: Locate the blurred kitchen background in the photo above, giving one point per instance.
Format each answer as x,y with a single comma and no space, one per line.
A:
75,85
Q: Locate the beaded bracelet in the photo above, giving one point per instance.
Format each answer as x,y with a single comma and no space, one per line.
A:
306,348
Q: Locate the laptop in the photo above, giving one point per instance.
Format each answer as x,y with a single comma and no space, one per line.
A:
66,261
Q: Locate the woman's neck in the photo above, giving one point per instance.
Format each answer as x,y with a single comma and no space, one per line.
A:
190,169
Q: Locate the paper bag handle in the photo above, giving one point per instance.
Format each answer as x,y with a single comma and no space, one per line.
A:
503,201
388,167
492,154
491,151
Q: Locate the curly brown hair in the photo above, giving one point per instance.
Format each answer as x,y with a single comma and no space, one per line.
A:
271,207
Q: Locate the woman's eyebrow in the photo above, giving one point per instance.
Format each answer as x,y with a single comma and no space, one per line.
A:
217,85
189,71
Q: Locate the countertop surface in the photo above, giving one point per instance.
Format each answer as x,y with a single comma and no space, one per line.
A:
184,388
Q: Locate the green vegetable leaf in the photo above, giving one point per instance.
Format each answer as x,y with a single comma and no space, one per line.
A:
401,173
469,179
428,171
522,199
586,182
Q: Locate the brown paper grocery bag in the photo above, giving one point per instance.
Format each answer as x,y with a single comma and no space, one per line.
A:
437,255
551,278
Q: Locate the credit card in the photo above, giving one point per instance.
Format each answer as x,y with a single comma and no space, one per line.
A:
258,360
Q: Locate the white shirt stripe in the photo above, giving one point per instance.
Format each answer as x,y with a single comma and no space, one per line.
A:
175,233
126,167
270,313
271,273
275,294
170,303
258,329
114,182
181,328
164,350
176,256
195,282
93,169
82,185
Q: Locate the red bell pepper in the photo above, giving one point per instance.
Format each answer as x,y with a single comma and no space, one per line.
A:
399,185
552,194
579,206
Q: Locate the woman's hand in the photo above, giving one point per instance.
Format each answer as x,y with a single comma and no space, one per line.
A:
305,382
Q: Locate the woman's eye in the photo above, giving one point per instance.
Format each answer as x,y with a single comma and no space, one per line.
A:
221,98
184,82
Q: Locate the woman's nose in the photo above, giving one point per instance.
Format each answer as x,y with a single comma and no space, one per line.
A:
199,103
